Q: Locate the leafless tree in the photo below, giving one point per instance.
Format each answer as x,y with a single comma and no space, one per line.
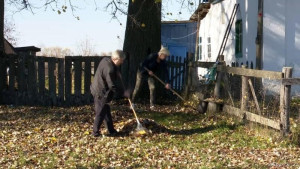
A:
55,52
86,47
10,32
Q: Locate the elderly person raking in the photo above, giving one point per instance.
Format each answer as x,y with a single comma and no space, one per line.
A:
103,89
153,63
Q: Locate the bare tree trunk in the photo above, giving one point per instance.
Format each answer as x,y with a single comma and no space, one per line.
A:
2,59
142,36
2,27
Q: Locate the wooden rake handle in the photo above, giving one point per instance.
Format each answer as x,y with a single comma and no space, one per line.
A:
157,78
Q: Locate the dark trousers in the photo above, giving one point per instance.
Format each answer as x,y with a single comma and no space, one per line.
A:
102,111
140,79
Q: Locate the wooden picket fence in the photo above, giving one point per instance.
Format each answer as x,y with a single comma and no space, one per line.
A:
49,81
177,72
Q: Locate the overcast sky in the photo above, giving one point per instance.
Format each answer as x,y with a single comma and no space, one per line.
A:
46,28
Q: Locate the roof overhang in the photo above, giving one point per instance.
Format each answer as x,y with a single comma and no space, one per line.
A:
178,22
28,48
201,11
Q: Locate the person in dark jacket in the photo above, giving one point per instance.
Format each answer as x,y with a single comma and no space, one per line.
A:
154,62
103,89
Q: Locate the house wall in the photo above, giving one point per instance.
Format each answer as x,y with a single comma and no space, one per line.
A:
179,34
214,25
281,39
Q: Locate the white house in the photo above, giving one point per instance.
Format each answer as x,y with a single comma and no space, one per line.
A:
280,35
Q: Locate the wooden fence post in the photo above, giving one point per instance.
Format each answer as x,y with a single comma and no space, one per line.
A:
61,82
52,80
172,72
41,79
68,79
2,76
217,90
87,80
245,92
12,77
77,79
21,80
32,86
189,74
285,99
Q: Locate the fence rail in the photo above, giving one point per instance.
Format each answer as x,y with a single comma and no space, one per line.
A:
285,93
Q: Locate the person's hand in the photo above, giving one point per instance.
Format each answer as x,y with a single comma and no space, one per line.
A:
168,86
150,73
127,94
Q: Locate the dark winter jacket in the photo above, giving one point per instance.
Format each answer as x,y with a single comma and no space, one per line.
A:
154,66
104,84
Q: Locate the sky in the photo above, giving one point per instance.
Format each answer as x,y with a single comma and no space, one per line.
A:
46,28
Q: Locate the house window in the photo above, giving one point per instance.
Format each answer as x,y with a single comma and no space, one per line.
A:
238,38
200,49
209,47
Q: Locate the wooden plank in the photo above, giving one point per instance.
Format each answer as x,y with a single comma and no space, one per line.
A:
285,100
2,77
217,90
21,74
250,72
22,85
291,81
172,72
245,91
96,63
32,86
176,77
61,82
52,80
251,117
12,74
41,78
180,75
87,79
78,75
201,64
68,80
184,73
254,96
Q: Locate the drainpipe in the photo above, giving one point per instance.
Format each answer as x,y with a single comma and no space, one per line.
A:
259,37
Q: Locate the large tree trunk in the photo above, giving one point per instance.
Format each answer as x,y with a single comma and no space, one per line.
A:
2,59
142,36
2,26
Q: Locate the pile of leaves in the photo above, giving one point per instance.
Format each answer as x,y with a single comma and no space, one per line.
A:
43,137
153,127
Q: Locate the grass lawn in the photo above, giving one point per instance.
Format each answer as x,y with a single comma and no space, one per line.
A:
61,138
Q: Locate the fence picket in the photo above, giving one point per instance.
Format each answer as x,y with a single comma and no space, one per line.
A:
87,79
68,80
176,74
12,75
52,80
32,88
61,83
172,71
77,78
41,78
180,75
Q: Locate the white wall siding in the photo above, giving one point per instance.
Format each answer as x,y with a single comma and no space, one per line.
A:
215,23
